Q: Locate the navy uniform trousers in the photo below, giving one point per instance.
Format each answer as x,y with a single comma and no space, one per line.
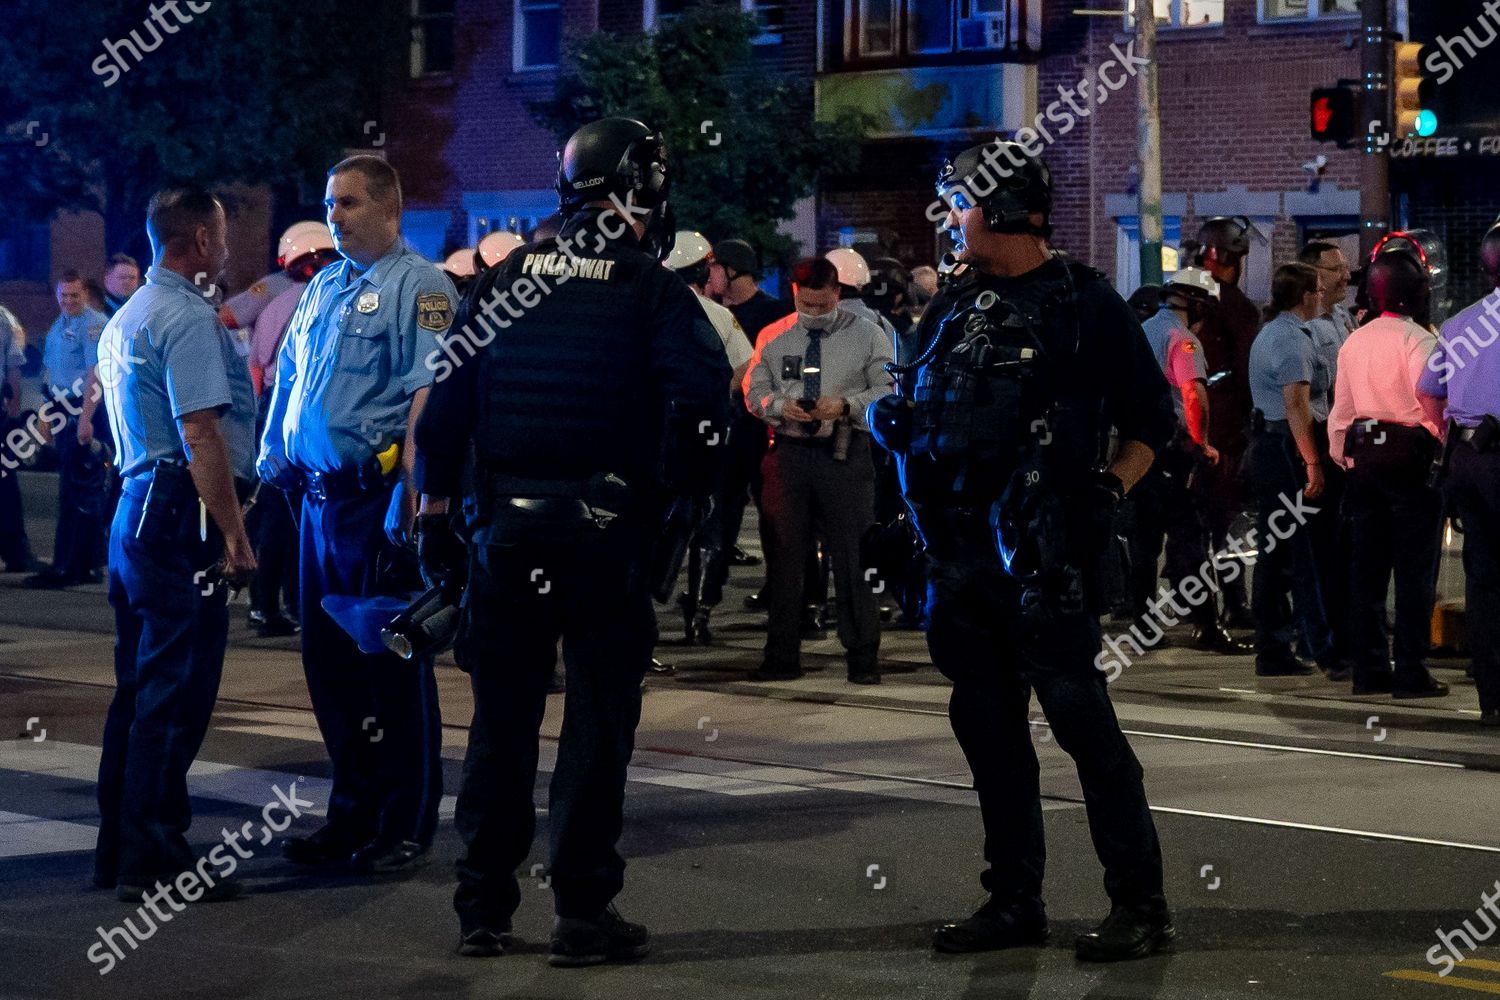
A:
169,655
83,499
1474,489
521,600
995,658
1284,566
378,713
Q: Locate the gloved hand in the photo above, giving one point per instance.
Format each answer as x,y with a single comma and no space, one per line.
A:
441,554
889,419
1100,500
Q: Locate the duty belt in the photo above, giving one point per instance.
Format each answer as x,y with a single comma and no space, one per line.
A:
345,482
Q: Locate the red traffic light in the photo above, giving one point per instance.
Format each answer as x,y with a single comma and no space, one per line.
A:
1332,115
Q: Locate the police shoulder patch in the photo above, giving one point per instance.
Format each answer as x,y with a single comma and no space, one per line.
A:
434,311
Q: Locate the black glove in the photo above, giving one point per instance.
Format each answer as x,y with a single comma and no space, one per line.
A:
442,556
889,419
1100,499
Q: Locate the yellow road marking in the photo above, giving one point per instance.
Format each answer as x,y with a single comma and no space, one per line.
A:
1480,963
1477,985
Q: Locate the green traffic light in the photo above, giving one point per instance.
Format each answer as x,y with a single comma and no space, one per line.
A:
1427,123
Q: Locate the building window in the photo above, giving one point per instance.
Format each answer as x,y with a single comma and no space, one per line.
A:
538,34
929,25
431,37
882,29
877,27
1185,14
1306,10
771,16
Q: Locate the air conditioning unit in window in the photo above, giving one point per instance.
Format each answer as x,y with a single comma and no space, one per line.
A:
981,33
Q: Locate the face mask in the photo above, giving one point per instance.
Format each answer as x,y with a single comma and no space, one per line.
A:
815,322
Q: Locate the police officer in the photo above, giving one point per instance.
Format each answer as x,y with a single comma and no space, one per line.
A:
811,382
854,278
1328,529
1465,370
708,566
1169,503
1387,432
179,398
71,354
15,547
732,278
1223,245
583,353
351,380
1027,359
1289,385
121,279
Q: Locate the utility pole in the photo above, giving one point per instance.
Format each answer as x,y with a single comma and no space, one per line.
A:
1376,115
1148,143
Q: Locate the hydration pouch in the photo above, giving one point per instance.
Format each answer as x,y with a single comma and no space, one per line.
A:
170,507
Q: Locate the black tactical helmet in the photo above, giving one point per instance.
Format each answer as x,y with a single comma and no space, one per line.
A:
613,156
1489,253
1003,179
1229,236
1397,281
1145,301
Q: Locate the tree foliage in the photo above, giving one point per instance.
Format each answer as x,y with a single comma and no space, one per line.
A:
256,91
742,142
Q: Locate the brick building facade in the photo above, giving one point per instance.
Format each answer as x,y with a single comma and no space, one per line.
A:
1234,96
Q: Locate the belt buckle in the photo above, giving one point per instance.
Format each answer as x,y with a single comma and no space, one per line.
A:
316,488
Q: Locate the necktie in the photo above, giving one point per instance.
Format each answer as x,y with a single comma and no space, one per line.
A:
812,366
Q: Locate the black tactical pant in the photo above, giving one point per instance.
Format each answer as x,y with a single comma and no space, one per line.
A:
521,600
1474,488
1168,511
996,659
1396,524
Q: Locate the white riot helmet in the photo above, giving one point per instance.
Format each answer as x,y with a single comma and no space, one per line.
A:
460,263
497,246
853,271
688,249
1192,281
301,239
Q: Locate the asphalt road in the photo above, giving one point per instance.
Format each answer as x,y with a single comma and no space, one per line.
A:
799,840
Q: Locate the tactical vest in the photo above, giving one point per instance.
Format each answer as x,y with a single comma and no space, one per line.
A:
560,383
986,391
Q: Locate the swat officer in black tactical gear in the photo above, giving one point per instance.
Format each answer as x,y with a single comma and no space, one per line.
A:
589,407
999,428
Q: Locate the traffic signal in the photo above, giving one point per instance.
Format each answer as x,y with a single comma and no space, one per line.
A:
1333,115
1413,93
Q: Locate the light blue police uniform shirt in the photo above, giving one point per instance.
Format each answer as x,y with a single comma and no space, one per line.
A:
1163,330
354,354
1283,353
1159,333
71,349
164,355
1465,367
